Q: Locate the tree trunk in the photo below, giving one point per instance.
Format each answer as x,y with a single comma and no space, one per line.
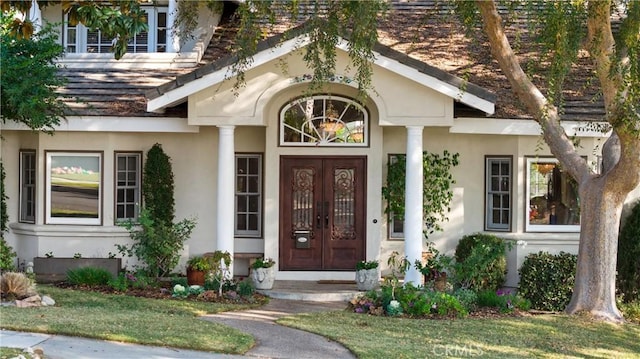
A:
594,290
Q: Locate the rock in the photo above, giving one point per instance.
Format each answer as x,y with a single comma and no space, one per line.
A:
25,304
33,299
48,301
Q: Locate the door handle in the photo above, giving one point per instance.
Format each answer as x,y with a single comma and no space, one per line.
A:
319,211
326,214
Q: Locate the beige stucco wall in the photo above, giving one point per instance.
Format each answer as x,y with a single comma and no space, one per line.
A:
399,100
194,162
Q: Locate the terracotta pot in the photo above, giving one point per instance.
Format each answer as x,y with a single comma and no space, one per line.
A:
195,277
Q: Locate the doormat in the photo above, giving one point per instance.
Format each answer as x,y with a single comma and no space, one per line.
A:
329,281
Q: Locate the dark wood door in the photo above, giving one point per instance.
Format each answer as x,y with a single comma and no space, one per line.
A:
322,212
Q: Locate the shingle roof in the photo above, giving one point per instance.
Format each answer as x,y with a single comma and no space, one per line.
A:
412,33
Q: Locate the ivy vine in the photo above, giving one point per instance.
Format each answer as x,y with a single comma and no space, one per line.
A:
437,191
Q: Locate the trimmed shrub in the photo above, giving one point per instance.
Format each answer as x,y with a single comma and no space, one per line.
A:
7,255
158,186
547,280
89,276
628,267
481,262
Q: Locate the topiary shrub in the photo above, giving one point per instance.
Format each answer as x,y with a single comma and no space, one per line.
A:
628,267
481,262
547,279
158,186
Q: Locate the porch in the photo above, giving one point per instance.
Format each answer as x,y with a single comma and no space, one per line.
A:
312,290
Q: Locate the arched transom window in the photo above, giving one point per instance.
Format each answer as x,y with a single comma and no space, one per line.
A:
324,121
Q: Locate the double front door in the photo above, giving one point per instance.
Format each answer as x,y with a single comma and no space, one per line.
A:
322,212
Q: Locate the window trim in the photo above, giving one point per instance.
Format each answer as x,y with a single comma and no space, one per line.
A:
246,233
23,186
391,235
80,45
487,173
365,126
527,192
138,202
47,178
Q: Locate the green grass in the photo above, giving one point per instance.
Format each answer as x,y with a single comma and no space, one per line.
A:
163,322
543,336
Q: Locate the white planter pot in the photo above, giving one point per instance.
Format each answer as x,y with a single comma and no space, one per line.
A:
263,278
367,279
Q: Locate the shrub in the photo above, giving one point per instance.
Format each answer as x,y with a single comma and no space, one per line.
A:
158,185
89,276
481,262
467,297
547,280
628,267
503,300
245,288
156,243
630,310
16,285
7,256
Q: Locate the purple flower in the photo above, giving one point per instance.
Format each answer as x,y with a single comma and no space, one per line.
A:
359,310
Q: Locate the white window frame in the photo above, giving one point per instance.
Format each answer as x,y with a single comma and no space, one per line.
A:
490,225
563,228
394,235
137,187
49,218
28,180
238,176
327,138
153,42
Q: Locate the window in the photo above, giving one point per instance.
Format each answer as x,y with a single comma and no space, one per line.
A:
248,207
324,121
552,198
74,188
127,186
28,186
396,224
79,39
498,193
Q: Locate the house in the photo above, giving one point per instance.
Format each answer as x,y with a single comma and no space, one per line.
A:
270,171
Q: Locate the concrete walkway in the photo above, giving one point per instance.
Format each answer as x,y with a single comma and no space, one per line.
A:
276,341
272,340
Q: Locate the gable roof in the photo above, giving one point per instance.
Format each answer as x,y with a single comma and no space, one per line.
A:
176,91
414,30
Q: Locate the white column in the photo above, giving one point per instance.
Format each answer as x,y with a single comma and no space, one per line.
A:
225,195
35,15
413,203
173,42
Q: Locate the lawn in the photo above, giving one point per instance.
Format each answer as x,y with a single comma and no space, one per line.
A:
174,323
164,322
541,336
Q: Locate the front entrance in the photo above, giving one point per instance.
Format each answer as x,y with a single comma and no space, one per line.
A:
322,212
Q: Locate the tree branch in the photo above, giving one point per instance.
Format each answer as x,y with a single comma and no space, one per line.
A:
544,112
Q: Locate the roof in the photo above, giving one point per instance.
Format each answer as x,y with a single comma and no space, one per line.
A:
457,86
410,34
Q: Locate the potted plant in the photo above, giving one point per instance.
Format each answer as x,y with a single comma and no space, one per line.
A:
434,267
367,277
263,273
197,269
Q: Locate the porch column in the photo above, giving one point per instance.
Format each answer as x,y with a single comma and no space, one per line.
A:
173,42
35,16
413,203
225,190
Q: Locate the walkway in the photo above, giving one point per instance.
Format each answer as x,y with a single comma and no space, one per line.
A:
272,340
